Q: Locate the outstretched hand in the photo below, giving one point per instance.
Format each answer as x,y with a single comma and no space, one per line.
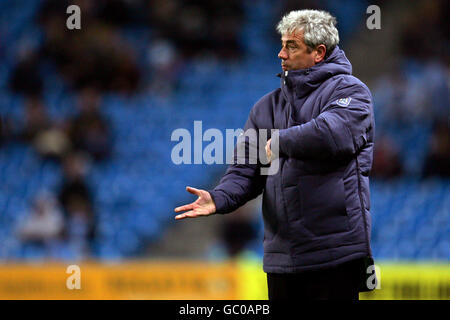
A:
203,206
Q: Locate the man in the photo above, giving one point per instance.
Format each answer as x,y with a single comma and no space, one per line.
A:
316,206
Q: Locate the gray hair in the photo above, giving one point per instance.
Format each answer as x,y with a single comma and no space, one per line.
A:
319,27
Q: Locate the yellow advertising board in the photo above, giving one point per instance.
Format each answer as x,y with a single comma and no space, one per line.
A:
396,281
412,281
174,280
136,280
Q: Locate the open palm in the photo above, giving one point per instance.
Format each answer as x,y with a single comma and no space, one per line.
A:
203,206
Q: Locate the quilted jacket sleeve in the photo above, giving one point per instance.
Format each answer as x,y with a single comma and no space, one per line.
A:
242,181
340,130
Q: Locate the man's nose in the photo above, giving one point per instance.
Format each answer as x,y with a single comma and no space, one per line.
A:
282,54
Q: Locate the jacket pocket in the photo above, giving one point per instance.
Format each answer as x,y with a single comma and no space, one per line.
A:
323,203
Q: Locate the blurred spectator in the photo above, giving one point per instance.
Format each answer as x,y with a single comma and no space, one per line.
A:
386,163
44,223
119,12
48,138
52,143
437,162
36,118
199,26
89,131
25,77
412,92
164,63
400,97
429,34
238,230
5,130
76,200
93,56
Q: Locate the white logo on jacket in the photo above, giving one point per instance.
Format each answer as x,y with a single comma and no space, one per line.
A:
343,102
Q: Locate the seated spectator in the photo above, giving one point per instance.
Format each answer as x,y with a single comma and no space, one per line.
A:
79,228
95,56
238,229
164,64
6,133
437,162
386,162
76,200
428,33
25,77
48,138
88,131
52,143
36,118
44,223
198,26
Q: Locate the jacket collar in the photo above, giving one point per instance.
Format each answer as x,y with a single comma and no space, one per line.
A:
299,83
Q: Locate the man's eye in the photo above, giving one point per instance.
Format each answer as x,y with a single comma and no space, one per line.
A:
289,46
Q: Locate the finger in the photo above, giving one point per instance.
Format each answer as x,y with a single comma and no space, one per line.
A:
180,216
189,214
193,191
185,207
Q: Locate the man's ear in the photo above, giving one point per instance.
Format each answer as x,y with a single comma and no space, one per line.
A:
320,53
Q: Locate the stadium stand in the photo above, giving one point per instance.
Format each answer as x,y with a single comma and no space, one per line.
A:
135,188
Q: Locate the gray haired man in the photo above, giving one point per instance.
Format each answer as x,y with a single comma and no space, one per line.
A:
316,207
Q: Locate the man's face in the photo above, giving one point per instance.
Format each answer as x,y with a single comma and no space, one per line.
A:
294,53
